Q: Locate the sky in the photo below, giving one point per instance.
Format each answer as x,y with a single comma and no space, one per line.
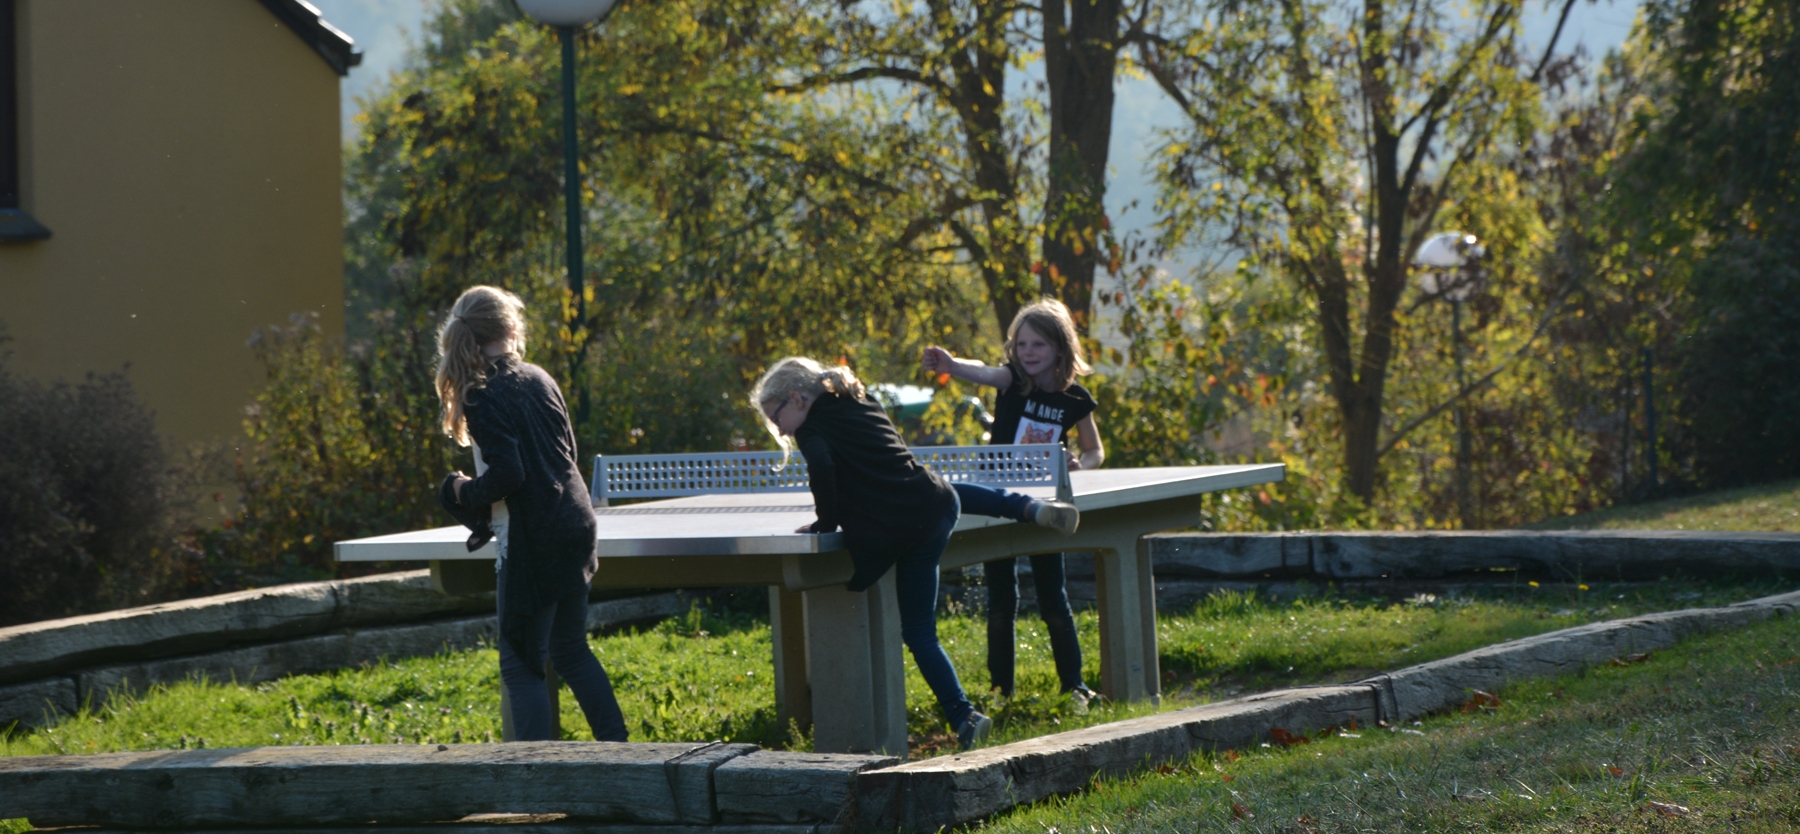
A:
383,30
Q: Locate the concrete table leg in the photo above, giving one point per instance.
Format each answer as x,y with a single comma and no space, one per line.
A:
853,662
1126,588
787,626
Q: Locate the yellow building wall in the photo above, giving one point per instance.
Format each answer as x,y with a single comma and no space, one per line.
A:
186,157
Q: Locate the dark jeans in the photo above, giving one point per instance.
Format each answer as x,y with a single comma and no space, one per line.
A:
916,586
1003,595
1053,606
561,632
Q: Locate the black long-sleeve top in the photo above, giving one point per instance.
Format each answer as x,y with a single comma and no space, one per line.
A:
866,481
519,421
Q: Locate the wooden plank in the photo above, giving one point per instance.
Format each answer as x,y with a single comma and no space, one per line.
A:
770,786
1578,555
35,650
270,661
278,786
37,703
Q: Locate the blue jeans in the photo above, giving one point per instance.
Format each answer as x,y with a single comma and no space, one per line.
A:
561,632
916,587
978,499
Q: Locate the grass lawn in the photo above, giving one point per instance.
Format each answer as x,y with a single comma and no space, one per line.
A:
1704,736
707,676
1767,507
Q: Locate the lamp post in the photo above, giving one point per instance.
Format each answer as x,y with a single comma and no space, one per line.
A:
1451,270
567,16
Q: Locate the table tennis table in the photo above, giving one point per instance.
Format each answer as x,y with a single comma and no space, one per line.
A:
837,654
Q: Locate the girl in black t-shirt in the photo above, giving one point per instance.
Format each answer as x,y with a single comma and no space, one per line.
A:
1039,402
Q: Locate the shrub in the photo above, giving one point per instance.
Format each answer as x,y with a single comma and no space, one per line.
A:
344,444
84,498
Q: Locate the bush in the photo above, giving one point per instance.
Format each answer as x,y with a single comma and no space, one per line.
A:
344,444
84,498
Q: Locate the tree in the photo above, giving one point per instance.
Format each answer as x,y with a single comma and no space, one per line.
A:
1327,139
1709,195
1081,39
950,60
726,224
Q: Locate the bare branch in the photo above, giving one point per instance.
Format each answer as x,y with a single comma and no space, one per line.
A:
814,82
1550,49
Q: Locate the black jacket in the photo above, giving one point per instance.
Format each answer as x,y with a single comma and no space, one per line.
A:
522,427
866,481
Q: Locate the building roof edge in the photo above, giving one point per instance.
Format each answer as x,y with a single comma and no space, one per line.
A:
304,19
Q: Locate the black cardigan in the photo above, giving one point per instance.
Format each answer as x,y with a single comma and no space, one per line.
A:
519,421
866,481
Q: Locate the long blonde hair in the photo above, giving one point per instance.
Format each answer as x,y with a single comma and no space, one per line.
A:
480,315
1051,320
803,376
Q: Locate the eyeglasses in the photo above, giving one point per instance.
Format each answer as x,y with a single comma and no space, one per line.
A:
775,417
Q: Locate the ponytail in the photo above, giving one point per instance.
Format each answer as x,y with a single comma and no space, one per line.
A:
803,376
481,316
840,380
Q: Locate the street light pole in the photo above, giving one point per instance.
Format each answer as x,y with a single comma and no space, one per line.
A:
1443,253
1465,498
572,211
567,16
571,173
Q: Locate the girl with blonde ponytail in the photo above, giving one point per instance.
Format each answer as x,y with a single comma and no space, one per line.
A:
531,500
894,512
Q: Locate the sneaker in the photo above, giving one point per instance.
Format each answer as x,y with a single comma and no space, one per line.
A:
973,730
1060,516
1084,698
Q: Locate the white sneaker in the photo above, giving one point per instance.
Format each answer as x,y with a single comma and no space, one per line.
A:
1061,517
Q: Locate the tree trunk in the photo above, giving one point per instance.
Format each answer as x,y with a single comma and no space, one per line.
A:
979,72
1081,45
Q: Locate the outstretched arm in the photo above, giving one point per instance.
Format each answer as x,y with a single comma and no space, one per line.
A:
939,361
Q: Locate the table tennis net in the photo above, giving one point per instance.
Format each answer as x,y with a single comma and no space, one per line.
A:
619,477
